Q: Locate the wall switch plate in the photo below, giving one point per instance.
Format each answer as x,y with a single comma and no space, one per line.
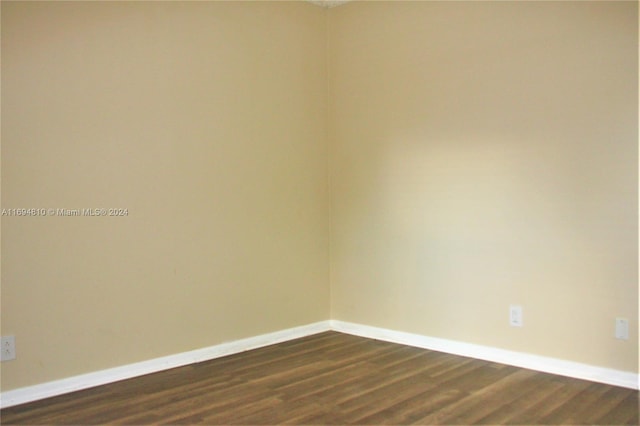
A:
7,348
622,328
515,315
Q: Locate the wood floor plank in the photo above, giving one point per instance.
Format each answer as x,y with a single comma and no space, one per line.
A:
476,404
580,406
531,394
543,413
412,409
334,378
384,397
625,413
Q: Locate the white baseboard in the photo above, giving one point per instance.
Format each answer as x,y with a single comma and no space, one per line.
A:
518,359
533,362
89,380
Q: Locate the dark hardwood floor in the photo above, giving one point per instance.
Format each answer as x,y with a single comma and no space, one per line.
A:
334,378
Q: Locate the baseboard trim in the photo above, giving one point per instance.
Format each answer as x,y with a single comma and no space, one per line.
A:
533,362
524,360
89,380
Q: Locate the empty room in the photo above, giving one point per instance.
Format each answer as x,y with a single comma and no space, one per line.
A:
319,212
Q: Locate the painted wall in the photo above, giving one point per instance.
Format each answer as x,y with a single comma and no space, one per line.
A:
207,121
480,154
484,154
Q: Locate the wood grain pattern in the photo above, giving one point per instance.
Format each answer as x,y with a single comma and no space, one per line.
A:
334,378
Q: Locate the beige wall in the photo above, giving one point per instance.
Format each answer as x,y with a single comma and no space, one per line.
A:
206,121
482,154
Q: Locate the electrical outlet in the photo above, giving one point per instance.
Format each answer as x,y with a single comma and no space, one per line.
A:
8,348
622,328
515,315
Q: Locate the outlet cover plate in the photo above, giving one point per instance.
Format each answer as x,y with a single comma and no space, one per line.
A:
622,328
515,315
7,348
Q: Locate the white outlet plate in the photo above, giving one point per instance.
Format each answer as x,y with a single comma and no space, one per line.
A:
515,315
7,348
622,328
